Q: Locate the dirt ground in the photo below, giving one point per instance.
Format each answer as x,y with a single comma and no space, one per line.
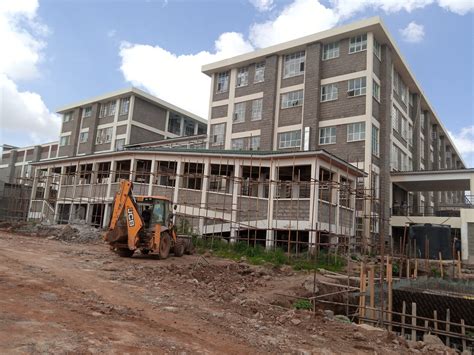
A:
58,297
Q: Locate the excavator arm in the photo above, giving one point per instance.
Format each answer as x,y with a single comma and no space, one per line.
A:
124,203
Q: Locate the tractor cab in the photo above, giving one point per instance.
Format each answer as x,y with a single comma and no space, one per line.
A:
159,208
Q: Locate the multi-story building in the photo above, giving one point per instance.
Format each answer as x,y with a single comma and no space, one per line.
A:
348,91
109,122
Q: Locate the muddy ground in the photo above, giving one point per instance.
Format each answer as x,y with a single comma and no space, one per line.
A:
61,297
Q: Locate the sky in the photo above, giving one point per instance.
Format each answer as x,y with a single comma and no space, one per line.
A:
57,52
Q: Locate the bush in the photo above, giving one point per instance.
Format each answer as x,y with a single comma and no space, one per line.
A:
302,304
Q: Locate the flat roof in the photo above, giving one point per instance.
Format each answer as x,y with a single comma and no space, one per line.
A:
135,91
372,24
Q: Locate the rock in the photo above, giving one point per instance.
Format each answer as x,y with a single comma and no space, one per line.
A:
295,321
342,318
309,285
170,309
430,339
412,344
369,327
328,313
358,336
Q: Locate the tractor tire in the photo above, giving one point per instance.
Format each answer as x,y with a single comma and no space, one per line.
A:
145,251
124,252
188,246
179,247
165,245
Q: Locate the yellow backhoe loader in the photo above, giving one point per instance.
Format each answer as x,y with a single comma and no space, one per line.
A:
144,223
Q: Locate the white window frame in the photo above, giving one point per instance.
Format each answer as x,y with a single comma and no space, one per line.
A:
259,72
375,141
64,140
238,115
83,137
112,108
237,144
422,146
87,112
124,105
330,51
358,43
377,50
357,86
293,64
395,119
257,106
117,145
104,135
376,90
329,92
356,132
327,135
218,138
292,99
253,143
410,134
290,139
242,77
222,84
67,117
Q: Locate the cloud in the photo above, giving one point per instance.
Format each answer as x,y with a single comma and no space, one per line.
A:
262,5
464,142
413,33
24,118
111,33
177,78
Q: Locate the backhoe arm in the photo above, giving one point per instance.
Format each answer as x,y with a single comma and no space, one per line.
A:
125,203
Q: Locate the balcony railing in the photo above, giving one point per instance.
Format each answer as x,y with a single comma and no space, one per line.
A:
442,210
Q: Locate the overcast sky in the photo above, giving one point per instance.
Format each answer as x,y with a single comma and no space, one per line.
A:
59,52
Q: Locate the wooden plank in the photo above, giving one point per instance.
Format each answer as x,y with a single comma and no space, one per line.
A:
441,265
408,268
415,273
459,265
435,319
448,317
362,291
404,309
390,293
372,291
463,332
413,321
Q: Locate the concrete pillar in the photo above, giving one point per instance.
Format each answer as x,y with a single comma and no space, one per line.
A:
179,174
314,205
152,176
235,195
270,238
204,189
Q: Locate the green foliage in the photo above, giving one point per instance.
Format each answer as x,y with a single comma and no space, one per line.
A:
302,304
258,255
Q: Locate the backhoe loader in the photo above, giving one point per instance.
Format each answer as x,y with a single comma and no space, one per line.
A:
144,223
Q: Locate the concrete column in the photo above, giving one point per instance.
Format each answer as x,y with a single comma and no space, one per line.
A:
179,174
152,176
113,173
270,238
235,200
204,189
314,205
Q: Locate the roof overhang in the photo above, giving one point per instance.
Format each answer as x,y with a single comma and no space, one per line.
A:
438,180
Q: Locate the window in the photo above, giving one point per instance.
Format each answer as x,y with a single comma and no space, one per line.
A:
239,112
188,127
356,132
376,91
242,77
293,64
174,123
67,117
257,110
328,92
104,136
394,157
107,109
124,105
111,108
103,110
399,87
377,49
327,135
292,99
375,141
83,137
331,50
410,134
87,112
396,116
422,148
255,143
289,139
404,131
422,121
356,87
358,43
238,144
217,134
119,143
222,82
64,140
259,72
